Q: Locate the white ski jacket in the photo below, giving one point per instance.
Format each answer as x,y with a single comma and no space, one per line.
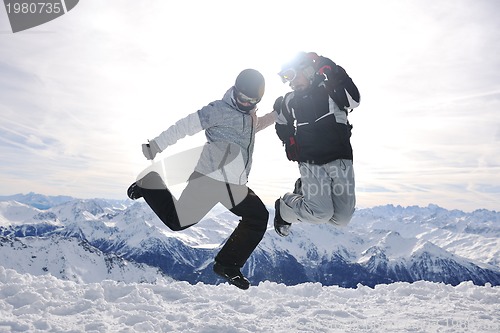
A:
230,133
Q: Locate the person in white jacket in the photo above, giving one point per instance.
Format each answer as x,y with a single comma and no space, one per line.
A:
221,174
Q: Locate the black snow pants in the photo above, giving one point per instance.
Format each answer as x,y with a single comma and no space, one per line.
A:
201,194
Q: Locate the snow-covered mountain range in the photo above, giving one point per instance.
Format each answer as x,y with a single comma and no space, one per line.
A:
90,240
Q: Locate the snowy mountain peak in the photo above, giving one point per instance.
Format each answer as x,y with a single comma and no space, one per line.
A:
380,245
13,212
39,201
69,259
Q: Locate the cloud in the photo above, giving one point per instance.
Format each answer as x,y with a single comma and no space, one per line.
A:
79,95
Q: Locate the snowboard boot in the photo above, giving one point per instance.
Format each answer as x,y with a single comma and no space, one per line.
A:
236,251
297,189
281,227
134,192
233,275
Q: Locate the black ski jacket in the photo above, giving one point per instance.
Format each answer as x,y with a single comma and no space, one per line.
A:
313,120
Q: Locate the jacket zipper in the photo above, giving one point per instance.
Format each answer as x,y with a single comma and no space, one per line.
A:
249,145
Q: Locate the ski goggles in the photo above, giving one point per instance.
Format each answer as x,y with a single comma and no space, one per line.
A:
244,99
288,75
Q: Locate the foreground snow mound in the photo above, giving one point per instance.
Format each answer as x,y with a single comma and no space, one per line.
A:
45,303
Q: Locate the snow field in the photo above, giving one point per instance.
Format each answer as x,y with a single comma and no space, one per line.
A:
44,303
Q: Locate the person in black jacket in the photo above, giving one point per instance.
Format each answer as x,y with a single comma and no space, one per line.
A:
313,126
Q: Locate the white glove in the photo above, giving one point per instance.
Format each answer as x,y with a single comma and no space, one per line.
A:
150,149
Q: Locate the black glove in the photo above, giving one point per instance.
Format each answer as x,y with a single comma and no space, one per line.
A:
278,104
292,149
339,83
325,65
284,131
335,74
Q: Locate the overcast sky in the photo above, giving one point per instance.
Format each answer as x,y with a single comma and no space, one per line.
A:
80,94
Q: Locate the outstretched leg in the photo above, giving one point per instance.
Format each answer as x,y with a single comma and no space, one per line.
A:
156,194
201,194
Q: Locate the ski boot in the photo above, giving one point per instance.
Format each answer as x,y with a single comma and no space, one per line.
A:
233,275
281,227
297,189
134,192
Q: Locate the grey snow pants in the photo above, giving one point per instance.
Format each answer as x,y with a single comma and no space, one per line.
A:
327,194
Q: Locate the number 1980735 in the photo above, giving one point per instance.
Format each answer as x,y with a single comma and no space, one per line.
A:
33,8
